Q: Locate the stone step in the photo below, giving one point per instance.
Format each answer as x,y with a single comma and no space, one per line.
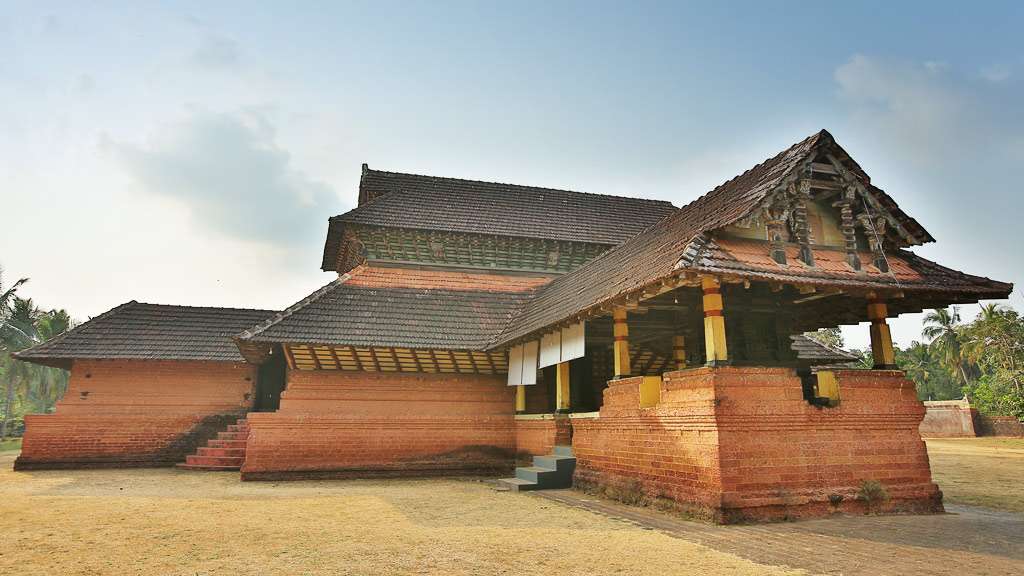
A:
536,474
196,460
563,451
517,484
232,435
238,428
226,444
559,463
216,451
187,466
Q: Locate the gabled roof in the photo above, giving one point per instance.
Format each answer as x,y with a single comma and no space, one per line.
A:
400,308
682,241
414,201
139,331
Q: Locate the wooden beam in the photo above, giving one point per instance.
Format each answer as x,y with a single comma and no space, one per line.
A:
562,387
620,332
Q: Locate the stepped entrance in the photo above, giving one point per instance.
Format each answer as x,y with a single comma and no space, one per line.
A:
224,453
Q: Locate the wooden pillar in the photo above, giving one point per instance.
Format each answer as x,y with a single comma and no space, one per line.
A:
520,399
881,338
620,330
562,387
717,352
679,351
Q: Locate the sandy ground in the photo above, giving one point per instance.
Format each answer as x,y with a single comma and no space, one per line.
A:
171,522
190,523
980,471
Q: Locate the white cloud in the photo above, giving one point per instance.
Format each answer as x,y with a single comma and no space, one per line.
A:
904,102
230,173
996,73
216,51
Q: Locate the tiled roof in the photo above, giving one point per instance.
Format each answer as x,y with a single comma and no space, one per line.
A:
817,353
452,205
363,308
140,331
679,241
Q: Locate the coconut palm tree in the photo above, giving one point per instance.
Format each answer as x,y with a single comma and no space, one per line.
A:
941,329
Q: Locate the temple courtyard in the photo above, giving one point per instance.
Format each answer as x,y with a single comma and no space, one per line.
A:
166,521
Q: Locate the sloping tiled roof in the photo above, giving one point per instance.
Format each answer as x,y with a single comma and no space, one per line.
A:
355,311
679,241
452,205
908,271
815,352
140,331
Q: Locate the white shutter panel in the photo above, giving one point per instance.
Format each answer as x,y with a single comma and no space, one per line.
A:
573,345
515,365
530,362
550,349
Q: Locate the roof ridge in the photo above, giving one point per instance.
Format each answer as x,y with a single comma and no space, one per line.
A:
316,295
191,307
548,188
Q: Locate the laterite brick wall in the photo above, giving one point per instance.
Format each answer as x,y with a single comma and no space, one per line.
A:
948,419
737,444
342,424
1000,426
537,437
136,413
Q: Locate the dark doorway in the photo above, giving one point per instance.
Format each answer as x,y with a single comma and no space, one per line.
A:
270,382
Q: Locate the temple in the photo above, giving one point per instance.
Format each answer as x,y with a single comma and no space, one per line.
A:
632,347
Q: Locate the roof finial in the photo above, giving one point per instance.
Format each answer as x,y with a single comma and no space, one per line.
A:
366,168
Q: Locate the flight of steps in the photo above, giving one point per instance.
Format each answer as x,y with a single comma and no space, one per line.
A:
226,452
548,472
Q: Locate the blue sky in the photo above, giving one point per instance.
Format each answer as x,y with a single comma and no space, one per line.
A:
192,153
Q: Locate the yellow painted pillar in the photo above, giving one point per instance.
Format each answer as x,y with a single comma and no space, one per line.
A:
562,387
679,351
714,322
520,399
881,338
620,330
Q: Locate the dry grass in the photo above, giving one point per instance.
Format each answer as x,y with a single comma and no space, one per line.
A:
980,471
173,522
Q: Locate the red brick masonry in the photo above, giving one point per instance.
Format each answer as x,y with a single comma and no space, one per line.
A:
346,424
735,444
135,413
537,436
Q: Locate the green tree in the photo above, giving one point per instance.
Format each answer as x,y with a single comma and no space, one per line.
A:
27,387
924,368
941,328
994,343
831,337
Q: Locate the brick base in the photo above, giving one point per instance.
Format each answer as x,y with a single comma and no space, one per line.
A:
740,444
135,414
948,419
342,425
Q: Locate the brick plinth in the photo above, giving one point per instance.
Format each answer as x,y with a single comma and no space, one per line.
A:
360,424
135,413
537,436
739,444
949,419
